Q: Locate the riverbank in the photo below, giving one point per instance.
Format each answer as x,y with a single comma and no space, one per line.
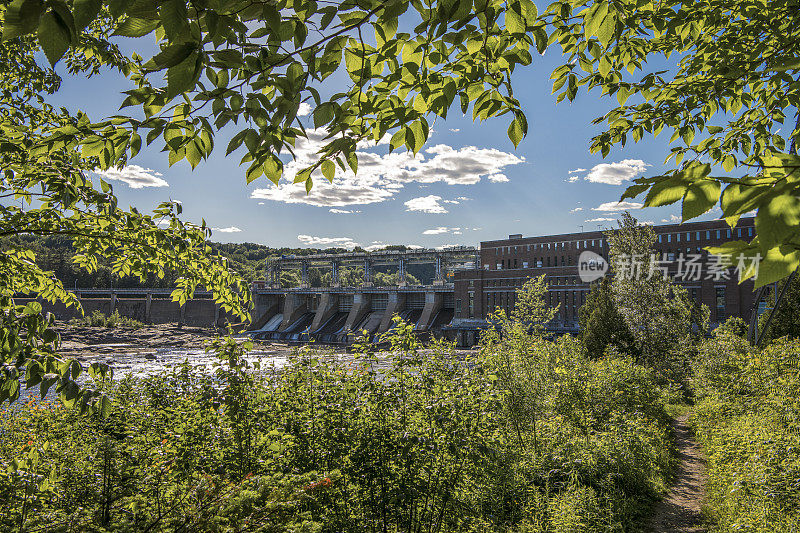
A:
85,340
153,348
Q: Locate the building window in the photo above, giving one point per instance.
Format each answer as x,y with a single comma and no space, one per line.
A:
548,260
677,237
669,237
563,263
749,232
471,304
659,238
697,236
720,304
728,233
688,236
708,234
739,233
524,264
458,306
717,234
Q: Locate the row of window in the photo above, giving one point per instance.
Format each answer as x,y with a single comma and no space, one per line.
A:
562,245
518,282
718,234
538,262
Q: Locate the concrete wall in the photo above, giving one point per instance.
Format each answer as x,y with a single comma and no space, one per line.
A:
198,312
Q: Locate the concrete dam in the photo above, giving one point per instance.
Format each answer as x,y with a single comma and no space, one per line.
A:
328,315
339,315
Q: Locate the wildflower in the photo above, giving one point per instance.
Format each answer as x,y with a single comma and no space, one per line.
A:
317,484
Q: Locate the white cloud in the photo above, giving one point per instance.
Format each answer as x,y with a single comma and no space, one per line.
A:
498,178
617,207
261,203
381,176
343,211
577,170
455,130
457,233
572,179
327,242
673,219
576,210
450,201
440,230
463,198
426,204
304,109
229,229
602,219
616,173
134,176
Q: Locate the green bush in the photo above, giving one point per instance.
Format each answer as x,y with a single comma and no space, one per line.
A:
98,319
413,442
748,422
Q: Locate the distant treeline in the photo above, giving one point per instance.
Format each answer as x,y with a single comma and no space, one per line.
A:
55,253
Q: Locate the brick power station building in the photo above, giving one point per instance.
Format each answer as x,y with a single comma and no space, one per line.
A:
506,264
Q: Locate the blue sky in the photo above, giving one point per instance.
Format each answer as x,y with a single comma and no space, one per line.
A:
470,184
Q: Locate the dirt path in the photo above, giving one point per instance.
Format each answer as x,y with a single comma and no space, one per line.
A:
680,508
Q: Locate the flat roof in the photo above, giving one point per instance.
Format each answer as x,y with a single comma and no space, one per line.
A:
599,234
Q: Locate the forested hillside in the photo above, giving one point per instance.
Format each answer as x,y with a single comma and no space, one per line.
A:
55,254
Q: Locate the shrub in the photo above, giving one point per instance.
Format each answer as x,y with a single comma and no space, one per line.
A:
748,421
100,320
417,442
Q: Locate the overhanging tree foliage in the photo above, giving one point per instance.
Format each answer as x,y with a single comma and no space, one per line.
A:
250,65
243,64
722,78
57,198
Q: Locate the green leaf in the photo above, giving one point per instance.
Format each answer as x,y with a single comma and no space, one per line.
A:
667,191
517,129
700,197
729,163
182,77
21,18
175,19
171,56
135,27
778,220
104,404
54,37
85,11
323,114
352,161
32,308
328,170
633,191
273,169
515,23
